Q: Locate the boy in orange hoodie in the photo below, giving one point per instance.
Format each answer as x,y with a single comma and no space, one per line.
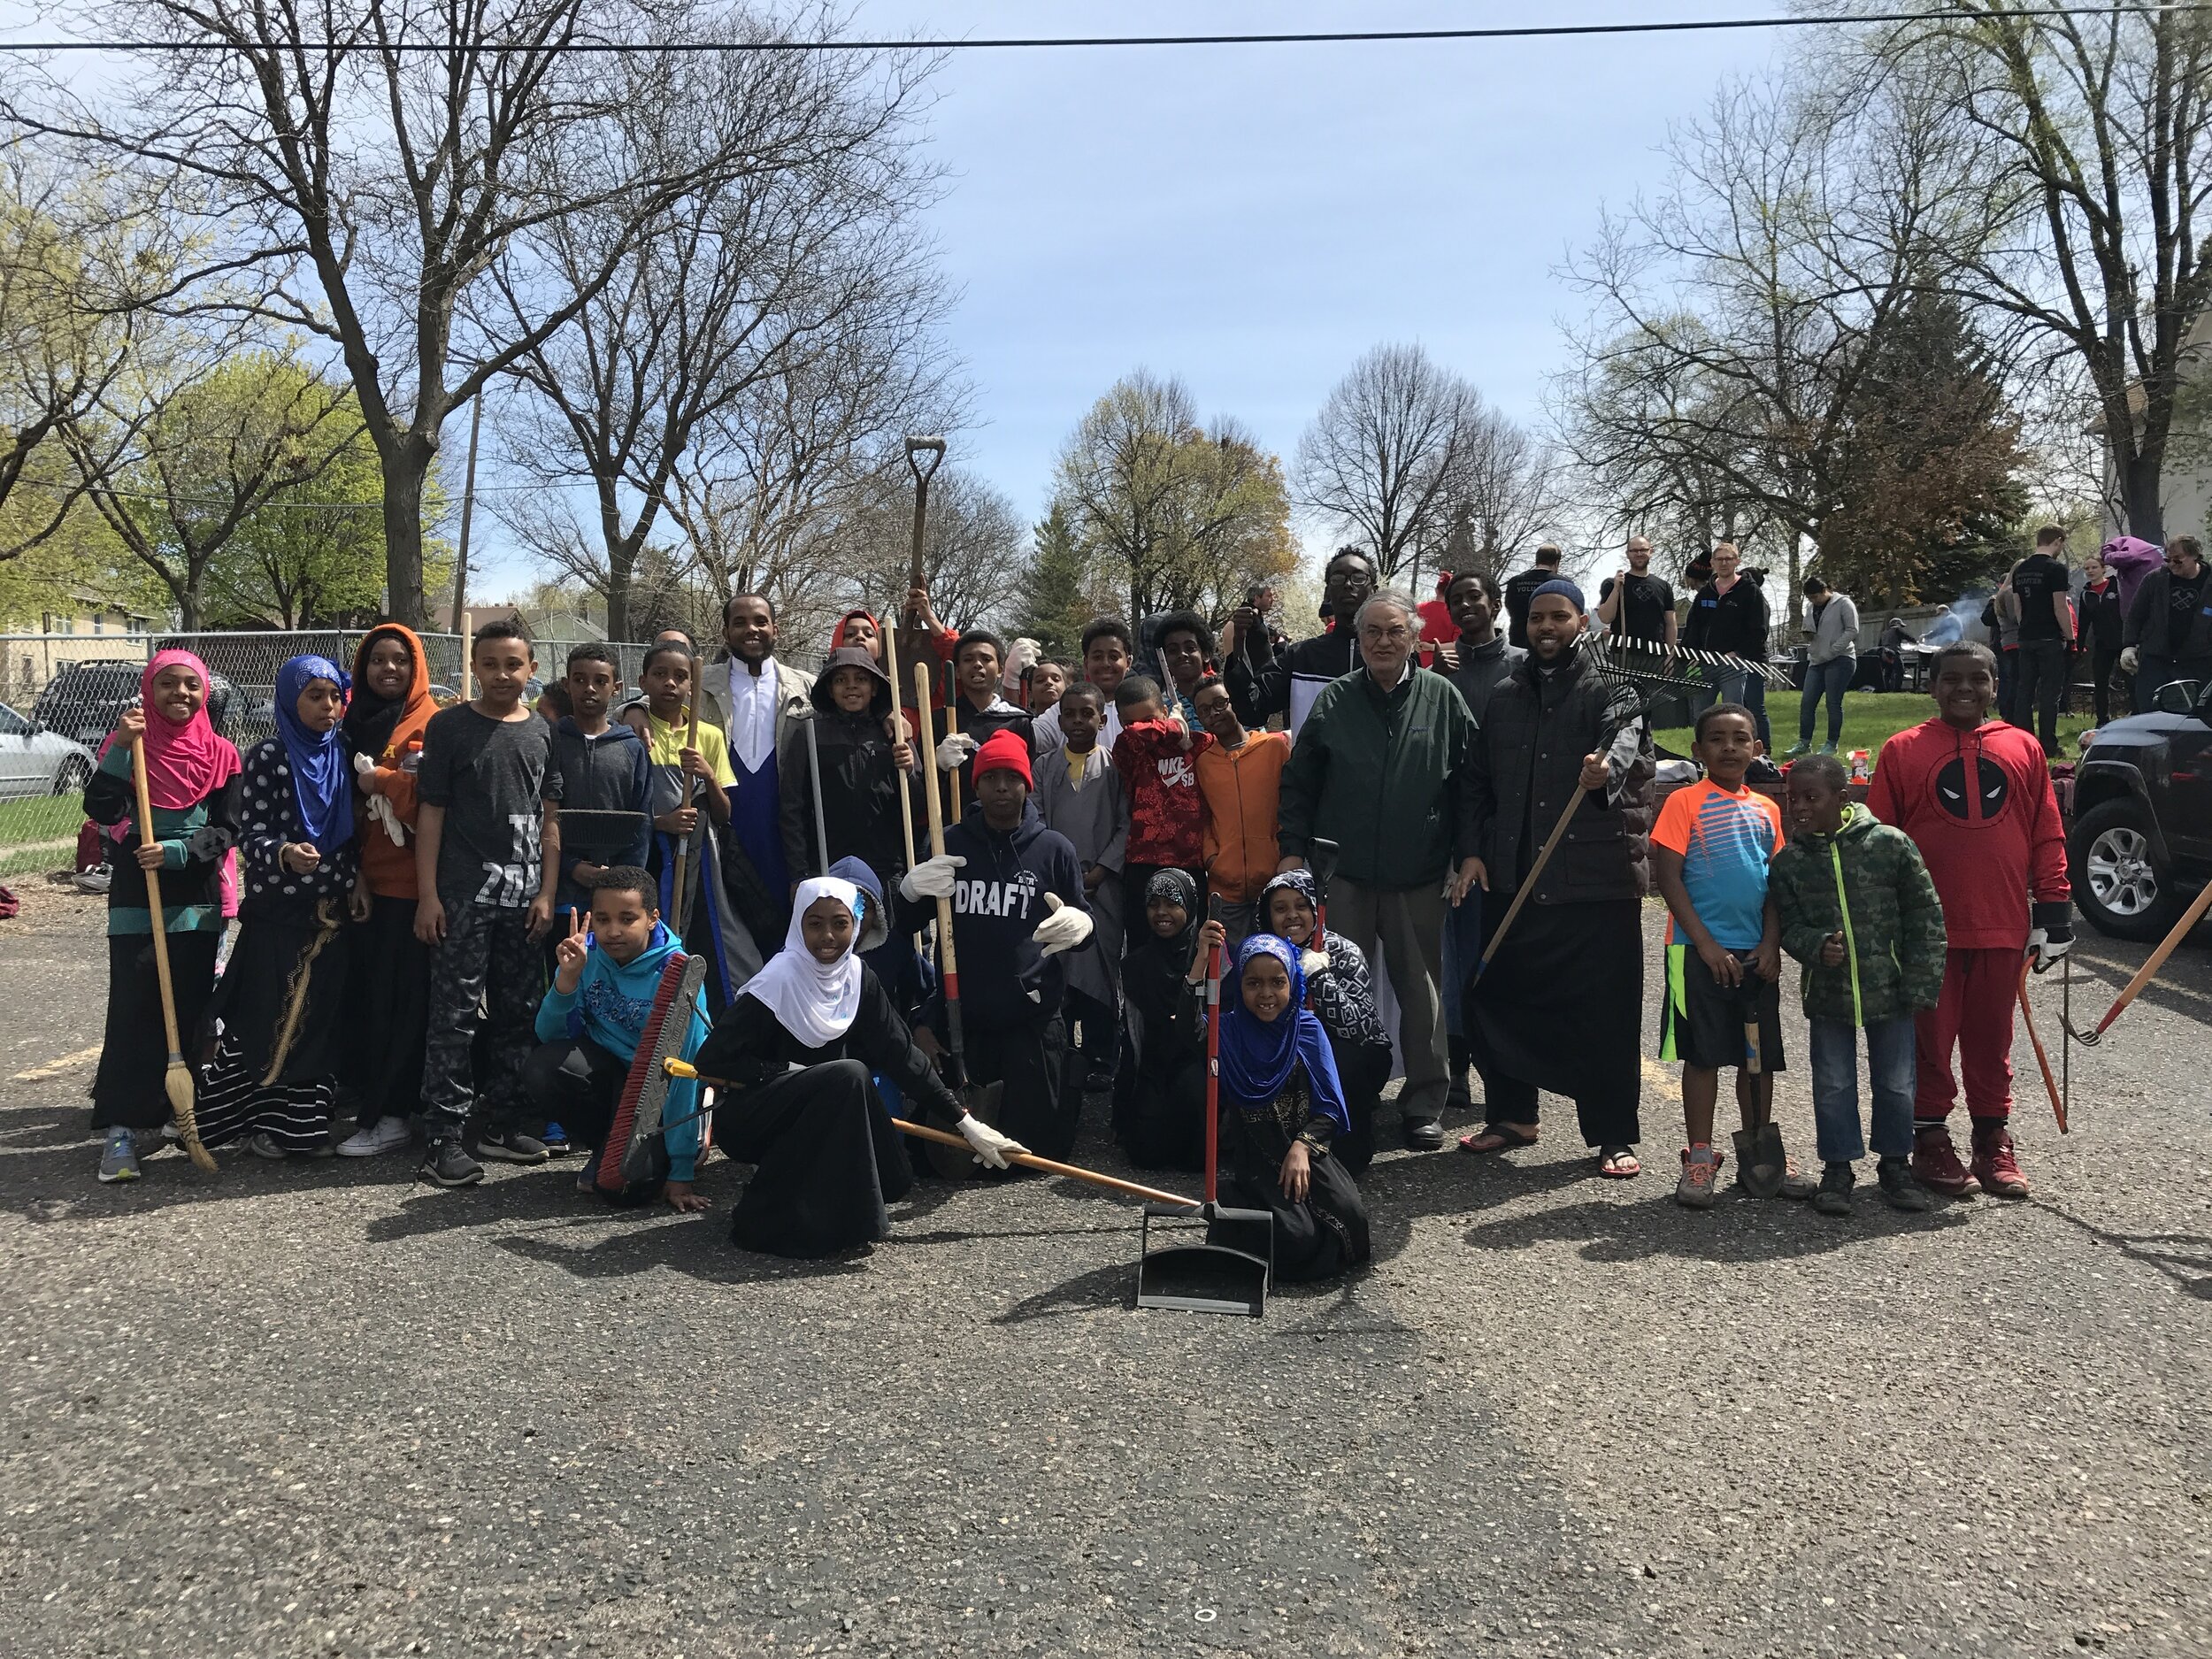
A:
1240,782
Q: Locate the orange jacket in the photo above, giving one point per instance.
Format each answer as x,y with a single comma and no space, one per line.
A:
1240,789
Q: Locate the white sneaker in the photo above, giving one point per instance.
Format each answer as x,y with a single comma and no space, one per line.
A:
262,1144
386,1135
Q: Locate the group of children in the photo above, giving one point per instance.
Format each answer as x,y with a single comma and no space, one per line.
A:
464,914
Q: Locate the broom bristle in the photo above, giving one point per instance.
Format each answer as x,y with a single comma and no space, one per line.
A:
177,1084
618,1139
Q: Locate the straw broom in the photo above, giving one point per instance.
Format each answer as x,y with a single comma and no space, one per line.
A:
177,1081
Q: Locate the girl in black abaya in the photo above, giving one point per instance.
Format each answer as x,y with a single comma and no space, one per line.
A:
826,1158
1160,1098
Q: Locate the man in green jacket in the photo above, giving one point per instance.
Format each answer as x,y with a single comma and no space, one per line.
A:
1859,909
1381,768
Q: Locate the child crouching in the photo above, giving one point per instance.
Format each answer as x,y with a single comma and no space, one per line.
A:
594,1017
1859,910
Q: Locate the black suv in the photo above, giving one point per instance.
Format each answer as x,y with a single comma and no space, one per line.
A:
2142,840
84,701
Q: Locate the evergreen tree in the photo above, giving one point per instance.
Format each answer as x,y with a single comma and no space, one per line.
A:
1052,606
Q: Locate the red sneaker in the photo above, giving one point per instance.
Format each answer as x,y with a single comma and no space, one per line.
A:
1936,1166
1995,1166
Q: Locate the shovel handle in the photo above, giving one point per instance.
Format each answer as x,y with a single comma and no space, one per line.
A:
2042,1059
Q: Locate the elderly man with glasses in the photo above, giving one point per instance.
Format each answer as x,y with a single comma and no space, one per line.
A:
1381,768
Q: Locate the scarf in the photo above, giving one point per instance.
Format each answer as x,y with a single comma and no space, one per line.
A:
184,764
837,634
1175,884
816,1001
1259,1056
382,727
322,781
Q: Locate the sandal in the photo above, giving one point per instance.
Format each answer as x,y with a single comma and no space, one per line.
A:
1618,1163
1495,1138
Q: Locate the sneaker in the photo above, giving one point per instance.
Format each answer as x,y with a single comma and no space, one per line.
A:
510,1146
262,1144
1936,1166
1797,1186
386,1135
1995,1165
447,1165
1423,1135
556,1138
1833,1197
1700,1167
1827,749
1803,746
118,1157
1900,1191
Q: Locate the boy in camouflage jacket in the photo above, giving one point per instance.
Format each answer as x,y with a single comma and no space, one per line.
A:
1860,912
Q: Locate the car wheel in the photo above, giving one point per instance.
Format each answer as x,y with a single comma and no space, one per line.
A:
2118,883
72,776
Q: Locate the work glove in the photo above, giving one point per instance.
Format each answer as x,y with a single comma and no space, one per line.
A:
932,877
379,808
2051,934
1313,962
991,1146
2131,659
954,750
1062,928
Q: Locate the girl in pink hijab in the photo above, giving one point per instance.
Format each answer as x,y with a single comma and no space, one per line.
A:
192,778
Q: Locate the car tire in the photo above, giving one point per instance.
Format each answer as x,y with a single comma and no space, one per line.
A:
2119,883
72,776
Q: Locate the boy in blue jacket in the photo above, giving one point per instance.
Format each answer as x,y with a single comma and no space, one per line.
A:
592,1020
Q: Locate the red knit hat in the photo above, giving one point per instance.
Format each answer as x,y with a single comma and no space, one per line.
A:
1004,751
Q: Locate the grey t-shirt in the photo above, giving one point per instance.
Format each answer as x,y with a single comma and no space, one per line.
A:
490,776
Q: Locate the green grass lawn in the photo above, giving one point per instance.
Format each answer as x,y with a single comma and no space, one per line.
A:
1870,718
39,834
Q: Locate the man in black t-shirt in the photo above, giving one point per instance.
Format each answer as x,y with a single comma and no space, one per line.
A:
2040,584
1636,604
1522,589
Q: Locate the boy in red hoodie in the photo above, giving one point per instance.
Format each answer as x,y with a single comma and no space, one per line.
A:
1977,801
1159,778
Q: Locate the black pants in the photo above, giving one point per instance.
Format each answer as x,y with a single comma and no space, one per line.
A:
825,1159
2041,685
127,1089
1030,1059
383,1042
488,957
1100,1031
1165,1125
2104,662
578,1084
1362,1071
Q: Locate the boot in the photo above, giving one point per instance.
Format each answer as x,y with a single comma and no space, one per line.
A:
1935,1163
1995,1165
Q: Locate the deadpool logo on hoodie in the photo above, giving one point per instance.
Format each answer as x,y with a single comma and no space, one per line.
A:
1983,805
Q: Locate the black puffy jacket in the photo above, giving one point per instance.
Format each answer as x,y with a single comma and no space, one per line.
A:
1527,760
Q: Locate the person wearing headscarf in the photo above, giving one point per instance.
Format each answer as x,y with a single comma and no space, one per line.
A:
388,978
1159,1096
1282,1114
1341,993
192,786
791,1060
273,1079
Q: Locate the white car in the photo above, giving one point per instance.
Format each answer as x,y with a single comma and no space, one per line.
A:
35,762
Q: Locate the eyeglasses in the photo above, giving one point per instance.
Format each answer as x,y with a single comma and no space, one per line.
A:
1398,634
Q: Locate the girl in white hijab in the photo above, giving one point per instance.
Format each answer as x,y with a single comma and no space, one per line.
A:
794,1056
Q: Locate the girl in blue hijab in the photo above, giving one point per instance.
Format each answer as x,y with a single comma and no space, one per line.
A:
1282,1109
282,1001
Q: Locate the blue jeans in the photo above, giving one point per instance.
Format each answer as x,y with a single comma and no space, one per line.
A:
1889,1052
1741,685
1830,680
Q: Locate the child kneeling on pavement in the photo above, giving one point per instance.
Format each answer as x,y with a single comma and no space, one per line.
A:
1859,910
592,1020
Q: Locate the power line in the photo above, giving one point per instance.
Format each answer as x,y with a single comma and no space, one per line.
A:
1511,32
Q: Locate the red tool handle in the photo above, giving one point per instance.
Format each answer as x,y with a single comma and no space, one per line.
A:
1213,1071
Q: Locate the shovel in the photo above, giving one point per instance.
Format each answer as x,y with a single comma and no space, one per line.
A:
982,1102
1229,1272
1761,1162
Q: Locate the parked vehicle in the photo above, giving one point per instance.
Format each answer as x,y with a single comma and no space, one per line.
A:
2142,846
34,761
84,700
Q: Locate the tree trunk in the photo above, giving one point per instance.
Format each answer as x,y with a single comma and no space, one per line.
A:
404,467
2140,481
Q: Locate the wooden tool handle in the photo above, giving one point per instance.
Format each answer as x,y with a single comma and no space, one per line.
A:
1528,881
2148,971
906,798
156,920
1074,1172
946,952
2042,1059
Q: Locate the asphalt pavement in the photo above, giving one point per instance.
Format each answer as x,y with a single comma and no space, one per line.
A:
314,1409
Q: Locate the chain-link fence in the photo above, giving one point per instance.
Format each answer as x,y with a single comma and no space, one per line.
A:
61,693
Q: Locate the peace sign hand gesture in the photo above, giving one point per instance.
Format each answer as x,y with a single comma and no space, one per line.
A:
568,955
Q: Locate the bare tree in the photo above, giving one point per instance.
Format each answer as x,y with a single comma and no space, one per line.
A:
1378,462
746,276
975,551
1506,480
370,164
2097,131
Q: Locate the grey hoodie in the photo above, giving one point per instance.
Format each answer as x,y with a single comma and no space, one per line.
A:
1835,631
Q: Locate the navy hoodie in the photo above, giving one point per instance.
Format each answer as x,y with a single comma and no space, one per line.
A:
606,772
1005,979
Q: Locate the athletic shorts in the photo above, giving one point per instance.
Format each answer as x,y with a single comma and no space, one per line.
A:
1701,1023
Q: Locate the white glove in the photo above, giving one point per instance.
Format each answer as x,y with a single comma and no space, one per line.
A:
1062,928
932,877
2051,935
1313,962
379,808
2131,659
991,1146
956,748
